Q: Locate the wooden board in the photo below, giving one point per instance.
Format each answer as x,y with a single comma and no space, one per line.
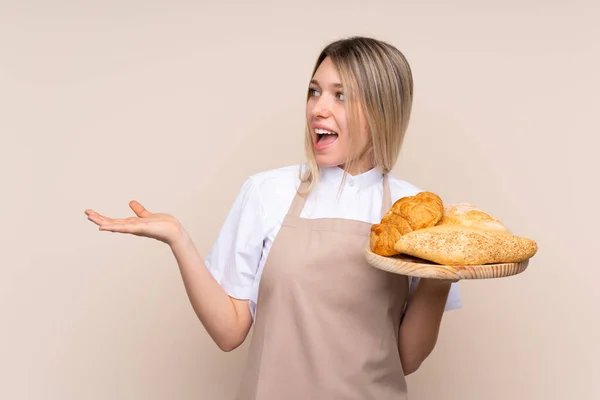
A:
410,266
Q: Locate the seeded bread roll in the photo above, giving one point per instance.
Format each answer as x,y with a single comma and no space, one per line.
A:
470,216
408,214
456,244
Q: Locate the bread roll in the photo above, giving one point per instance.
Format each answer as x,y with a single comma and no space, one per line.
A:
385,235
406,215
456,244
470,216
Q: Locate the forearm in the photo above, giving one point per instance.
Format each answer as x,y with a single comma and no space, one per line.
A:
226,320
420,326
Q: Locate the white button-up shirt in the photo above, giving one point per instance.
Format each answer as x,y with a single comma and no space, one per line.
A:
240,251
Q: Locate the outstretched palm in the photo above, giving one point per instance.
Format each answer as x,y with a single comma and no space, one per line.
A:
161,227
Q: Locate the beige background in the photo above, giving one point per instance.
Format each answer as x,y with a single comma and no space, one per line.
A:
175,104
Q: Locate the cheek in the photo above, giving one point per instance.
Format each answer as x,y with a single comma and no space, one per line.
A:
341,121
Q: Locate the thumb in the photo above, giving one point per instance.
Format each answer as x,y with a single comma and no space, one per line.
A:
139,209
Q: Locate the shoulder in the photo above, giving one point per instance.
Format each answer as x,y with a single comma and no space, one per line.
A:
277,184
263,192
401,188
273,178
274,190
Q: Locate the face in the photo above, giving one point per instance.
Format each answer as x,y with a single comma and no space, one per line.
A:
328,122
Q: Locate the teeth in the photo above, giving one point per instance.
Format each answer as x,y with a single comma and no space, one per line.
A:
324,132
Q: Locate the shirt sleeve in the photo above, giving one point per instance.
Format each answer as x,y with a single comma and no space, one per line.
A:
452,303
235,255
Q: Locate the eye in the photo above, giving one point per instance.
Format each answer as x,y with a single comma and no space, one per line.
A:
340,96
313,92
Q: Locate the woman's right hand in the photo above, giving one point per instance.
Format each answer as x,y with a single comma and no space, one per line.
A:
161,227
226,319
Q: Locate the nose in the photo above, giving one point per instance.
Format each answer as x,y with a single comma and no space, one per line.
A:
322,107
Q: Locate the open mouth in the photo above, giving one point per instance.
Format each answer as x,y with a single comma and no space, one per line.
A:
324,138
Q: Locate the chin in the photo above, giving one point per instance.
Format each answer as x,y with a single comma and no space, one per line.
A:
328,162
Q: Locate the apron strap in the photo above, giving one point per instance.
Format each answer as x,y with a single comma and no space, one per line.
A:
299,200
386,202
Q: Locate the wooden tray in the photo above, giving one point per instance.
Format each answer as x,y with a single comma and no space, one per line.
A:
410,266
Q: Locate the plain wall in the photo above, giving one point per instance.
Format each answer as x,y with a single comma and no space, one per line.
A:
175,104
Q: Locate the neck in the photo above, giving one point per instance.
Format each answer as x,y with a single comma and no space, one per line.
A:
357,168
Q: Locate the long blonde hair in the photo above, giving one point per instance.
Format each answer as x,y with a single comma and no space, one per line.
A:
377,76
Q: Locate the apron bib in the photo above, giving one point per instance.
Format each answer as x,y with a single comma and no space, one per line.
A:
326,324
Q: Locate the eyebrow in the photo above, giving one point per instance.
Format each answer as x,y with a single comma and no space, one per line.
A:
334,85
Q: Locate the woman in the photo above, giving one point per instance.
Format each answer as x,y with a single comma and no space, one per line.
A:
326,325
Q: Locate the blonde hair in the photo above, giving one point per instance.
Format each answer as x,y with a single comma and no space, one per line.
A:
377,76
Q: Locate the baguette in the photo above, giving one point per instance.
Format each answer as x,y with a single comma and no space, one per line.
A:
457,244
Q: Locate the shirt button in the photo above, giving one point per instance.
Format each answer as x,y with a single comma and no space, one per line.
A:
351,182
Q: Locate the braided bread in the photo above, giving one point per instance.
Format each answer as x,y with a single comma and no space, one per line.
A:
408,214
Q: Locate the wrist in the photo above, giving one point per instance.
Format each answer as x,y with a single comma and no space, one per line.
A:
435,285
178,236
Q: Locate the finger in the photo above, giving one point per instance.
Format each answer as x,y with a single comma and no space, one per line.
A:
121,221
117,228
92,213
121,226
96,218
99,219
139,209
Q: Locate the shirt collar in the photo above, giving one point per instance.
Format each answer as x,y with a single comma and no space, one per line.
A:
364,180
